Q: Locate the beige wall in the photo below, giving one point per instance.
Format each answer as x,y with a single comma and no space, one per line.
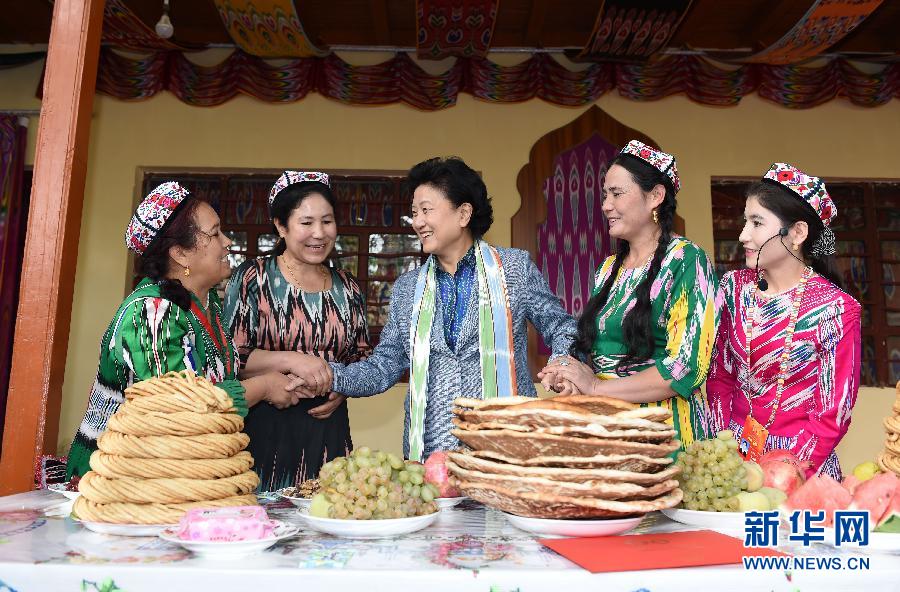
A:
837,140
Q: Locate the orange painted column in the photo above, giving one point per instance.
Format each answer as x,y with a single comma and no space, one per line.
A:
51,244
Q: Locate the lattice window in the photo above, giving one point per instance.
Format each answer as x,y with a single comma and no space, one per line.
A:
868,255
375,242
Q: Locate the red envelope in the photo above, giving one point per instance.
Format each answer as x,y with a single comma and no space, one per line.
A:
653,551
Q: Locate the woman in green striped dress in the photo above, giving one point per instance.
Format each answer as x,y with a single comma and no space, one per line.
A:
172,320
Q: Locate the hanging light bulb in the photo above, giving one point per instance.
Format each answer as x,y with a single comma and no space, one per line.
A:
164,26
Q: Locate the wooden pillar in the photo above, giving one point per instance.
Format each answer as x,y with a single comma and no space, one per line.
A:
51,244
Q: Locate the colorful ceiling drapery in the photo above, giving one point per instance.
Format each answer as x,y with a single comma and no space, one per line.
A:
401,80
267,28
824,24
626,30
462,28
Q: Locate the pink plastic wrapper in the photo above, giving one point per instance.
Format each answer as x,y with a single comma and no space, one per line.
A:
242,523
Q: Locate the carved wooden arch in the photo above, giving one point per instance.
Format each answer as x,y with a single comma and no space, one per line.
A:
541,162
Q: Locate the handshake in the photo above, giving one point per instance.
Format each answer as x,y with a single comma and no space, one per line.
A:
302,376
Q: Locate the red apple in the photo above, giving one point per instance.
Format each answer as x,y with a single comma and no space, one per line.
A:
782,470
436,473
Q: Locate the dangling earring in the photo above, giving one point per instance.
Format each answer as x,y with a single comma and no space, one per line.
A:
655,218
796,247
187,271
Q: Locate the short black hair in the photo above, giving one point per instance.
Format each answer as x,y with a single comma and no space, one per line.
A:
460,184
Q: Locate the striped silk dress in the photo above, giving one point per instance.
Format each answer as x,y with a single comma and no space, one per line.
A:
265,311
683,322
823,372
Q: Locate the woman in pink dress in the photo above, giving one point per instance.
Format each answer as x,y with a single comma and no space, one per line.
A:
788,346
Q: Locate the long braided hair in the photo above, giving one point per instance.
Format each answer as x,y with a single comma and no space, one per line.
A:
636,328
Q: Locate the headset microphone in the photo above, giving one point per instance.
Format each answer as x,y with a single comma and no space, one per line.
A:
761,283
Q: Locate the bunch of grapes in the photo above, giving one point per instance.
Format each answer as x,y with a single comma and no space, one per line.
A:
373,485
712,474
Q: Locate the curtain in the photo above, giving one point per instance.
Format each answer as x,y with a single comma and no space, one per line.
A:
574,240
13,216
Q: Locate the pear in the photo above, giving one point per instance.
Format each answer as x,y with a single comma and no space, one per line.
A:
753,500
776,496
865,471
755,475
319,506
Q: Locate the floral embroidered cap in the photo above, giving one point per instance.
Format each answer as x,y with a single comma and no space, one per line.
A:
662,161
289,178
812,191
152,214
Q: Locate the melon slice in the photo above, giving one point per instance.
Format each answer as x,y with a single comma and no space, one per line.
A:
875,495
850,483
820,492
890,520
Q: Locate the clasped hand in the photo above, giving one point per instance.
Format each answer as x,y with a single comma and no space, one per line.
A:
566,375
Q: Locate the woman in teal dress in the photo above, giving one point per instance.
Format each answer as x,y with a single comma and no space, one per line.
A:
172,320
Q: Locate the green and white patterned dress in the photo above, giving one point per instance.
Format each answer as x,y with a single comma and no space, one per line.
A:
683,322
149,336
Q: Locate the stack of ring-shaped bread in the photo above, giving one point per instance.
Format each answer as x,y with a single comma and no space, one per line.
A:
889,459
174,444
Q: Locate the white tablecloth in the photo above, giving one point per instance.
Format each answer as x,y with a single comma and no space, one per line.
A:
469,548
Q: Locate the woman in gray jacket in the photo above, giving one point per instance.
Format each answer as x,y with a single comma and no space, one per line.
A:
458,322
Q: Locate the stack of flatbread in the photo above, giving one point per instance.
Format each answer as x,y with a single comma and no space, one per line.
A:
175,444
571,456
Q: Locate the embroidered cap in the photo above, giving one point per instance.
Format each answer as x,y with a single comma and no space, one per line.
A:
810,189
289,178
662,161
152,214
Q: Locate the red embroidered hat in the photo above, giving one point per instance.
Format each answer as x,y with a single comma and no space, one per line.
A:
810,189
661,161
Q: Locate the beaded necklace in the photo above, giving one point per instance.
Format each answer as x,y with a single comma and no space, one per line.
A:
749,324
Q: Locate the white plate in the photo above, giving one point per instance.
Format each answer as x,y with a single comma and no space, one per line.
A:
61,488
884,541
448,502
573,527
300,502
230,549
714,520
368,529
136,530
878,541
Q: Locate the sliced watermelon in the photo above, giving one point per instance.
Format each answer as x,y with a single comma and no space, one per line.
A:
850,483
820,492
890,520
875,495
